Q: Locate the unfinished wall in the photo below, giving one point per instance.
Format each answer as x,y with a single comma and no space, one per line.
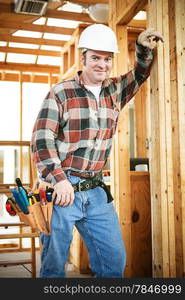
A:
165,113
167,94
122,180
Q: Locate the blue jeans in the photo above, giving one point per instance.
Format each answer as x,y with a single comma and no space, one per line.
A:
98,225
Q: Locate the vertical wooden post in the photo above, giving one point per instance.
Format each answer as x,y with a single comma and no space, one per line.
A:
140,121
161,150
112,21
77,52
180,81
168,151
121,163
21,124
50,80
33,257
175,137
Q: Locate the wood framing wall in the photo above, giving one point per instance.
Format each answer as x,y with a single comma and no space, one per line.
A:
164,137
132,215
167,150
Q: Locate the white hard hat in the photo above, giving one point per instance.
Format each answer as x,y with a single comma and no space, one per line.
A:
98,37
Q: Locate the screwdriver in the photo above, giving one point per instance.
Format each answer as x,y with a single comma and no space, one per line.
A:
19,200
19,184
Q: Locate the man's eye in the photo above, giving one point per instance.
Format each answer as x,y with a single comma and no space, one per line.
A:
95,58
108,60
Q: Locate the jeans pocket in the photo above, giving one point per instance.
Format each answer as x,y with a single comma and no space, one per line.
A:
73,179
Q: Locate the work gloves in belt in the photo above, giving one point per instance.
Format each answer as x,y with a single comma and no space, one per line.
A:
149,38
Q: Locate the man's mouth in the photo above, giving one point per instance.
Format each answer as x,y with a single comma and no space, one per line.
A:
99,71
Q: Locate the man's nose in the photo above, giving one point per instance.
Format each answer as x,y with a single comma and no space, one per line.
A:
101,63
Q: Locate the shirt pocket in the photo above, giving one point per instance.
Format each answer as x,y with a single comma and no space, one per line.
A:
108,122
112,117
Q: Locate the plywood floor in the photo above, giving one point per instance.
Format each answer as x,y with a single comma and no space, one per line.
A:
21,271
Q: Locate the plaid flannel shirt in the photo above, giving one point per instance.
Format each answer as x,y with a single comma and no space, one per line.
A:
71,132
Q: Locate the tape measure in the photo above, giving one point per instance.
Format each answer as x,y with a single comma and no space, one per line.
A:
9,208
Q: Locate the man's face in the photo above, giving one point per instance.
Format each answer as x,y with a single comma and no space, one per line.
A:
97,66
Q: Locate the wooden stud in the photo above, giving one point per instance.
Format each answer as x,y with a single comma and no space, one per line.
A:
122,158
161,156
180,58
178,201
141,121
21,125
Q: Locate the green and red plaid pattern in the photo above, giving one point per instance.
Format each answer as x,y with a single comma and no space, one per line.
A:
71,132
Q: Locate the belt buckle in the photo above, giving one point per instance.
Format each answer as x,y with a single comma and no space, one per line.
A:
92,174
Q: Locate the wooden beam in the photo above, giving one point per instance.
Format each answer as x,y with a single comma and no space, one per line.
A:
28,78
89,2
140,121
14,143
161,154
166,23
180,59
6,8
130,11
67,15
42,35
50,13
13,225
30,68
20,124
29,51
26,40
121,161
137,23
36,28
17,235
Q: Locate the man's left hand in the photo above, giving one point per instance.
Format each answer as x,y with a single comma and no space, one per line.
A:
149,38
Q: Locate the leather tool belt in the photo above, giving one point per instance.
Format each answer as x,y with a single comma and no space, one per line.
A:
85,175
92,183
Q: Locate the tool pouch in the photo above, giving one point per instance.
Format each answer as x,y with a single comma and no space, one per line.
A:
42,215
28,220
39,217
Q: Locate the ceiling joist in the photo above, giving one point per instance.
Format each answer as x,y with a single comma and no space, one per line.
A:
50,13
26,40
36,28
30,68
89,2
29,51
29,78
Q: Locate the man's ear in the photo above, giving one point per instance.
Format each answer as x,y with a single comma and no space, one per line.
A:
83,59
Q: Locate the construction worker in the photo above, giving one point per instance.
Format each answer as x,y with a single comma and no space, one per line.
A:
71,142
